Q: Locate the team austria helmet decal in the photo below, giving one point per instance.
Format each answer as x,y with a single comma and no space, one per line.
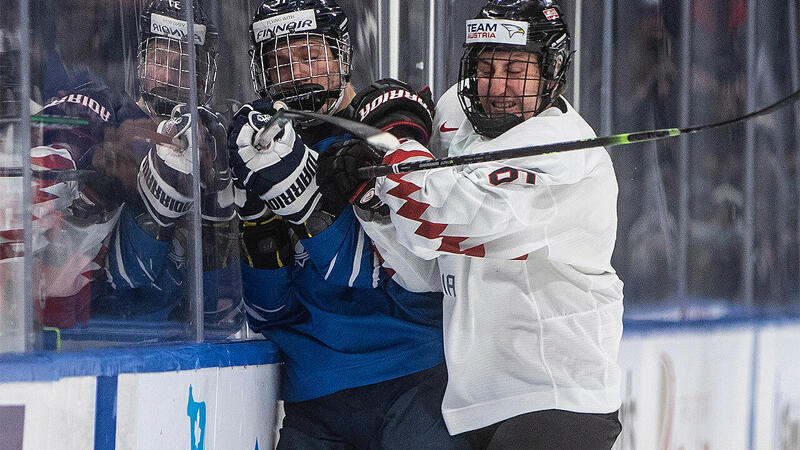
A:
497,31
293,22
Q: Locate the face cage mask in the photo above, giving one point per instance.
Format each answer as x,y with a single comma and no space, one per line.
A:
302,89
163,74
502,107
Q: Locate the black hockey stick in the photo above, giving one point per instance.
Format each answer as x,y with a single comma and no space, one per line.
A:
605,141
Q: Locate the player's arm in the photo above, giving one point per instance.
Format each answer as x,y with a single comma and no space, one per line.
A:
140,244
267,252
71,223
261,167
394,107
500,209
448,119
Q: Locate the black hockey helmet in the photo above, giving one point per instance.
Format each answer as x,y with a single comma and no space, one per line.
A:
10,105
281,25
503,26
162,74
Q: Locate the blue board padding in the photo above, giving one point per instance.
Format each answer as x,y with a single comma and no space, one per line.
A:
105,414
51,366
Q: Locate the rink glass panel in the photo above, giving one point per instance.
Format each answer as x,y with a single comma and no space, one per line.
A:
14,330
712,229
72,292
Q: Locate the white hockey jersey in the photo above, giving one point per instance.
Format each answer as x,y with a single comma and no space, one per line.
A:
532,306
446,121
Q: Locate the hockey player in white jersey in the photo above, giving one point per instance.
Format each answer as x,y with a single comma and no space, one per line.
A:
532,306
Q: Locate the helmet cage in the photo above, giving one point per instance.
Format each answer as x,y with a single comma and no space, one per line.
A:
163,73
552,60
313,81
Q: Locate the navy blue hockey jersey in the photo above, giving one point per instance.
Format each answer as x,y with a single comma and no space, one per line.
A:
338,319
337,316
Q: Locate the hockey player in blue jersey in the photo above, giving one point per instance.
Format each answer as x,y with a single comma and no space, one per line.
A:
147,266
363,351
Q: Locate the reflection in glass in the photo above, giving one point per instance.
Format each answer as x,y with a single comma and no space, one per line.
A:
12,307
112,178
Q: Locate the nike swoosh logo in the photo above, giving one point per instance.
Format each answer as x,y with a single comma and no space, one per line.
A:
444,129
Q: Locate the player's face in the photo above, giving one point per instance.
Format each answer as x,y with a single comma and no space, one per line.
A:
164,69
508,82
302,60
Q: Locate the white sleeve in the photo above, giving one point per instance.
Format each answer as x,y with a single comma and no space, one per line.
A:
504,209
409,270
68,246
448,119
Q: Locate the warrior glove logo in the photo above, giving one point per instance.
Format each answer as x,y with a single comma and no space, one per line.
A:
168,204
387,96
297,188
86,101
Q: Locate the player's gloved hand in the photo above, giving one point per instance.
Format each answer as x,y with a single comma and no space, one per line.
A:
165,174
393,106
249,206
338,178
273,163
266,243
216,183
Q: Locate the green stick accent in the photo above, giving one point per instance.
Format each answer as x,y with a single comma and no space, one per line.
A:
59,120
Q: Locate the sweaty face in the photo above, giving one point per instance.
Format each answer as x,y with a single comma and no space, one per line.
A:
302,64
508,83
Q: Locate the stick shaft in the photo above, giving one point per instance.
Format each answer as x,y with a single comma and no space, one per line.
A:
604,141
519,152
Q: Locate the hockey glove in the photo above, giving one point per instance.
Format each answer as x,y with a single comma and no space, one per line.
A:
216,182
273,164
216,187
165,174
393,106
338,178
266,243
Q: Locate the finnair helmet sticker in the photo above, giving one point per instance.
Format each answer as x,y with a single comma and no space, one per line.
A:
292,22
497,31
176,29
